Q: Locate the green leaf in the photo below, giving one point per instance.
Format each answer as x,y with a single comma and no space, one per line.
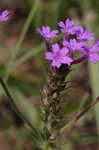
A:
94,78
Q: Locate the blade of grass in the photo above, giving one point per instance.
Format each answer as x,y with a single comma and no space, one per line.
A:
68,146
94,79
93,68
34,51
14,53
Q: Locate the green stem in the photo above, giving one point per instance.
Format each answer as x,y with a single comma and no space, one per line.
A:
14,106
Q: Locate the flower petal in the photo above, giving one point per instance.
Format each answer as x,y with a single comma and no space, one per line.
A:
56,63
67,60
49,55
94,58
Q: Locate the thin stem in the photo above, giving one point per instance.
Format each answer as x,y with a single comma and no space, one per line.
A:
47,45
86,109
14,106
70,125
79,60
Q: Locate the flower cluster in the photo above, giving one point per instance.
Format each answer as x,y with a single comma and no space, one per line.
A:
75,39
4,16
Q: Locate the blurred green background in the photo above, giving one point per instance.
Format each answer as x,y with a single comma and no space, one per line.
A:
23,68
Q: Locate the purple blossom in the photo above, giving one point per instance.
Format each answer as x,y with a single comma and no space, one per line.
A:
94,58
74,45
78,30
87,35
75,39
47,33
4,16
93,53
83,34
97,42
67,27
58,56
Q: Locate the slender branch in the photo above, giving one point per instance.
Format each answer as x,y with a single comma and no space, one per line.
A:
81,113
14,105
70,125
47,45
79,60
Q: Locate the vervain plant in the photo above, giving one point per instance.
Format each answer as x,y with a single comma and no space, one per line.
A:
62,55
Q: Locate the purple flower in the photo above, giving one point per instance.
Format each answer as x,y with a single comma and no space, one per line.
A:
47,33
74,45
67,27
92,53
78,30
94,58
87,35
75,39
58,56
83,34
97,42
4,15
